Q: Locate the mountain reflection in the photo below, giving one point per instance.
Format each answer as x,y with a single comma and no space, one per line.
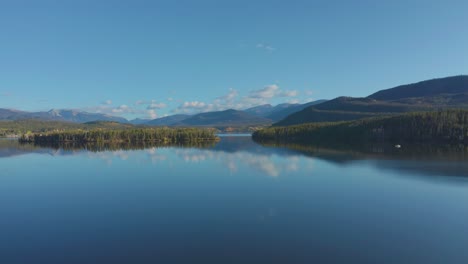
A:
421,160
271,160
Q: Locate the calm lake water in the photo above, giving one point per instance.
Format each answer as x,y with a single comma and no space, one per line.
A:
235,202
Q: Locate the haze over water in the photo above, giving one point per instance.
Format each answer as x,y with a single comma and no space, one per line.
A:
234,202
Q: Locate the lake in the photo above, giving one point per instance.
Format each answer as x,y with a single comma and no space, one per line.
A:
232,202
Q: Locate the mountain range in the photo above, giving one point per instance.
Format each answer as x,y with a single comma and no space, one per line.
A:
449,92
278,112
259,115
443,93
224,118
74,116
167,120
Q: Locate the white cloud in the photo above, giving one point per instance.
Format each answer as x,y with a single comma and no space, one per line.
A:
155,105
194,105
106,108
308,92
191,107
289,93
150,104
152,114
142,102
123,109
267,92
228,101
232,100
264,95
229,97
266,47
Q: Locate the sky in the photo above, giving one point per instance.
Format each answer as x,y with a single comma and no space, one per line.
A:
148,59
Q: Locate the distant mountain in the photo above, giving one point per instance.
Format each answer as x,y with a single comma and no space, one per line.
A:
59,115
283,110
167,120
9,114
139,121
429,88
260,110
280,111
82,117
224,118
450,92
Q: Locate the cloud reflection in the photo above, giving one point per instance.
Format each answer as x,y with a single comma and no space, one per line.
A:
238,155
154,155
267,164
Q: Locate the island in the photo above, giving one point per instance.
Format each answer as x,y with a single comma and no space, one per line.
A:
122,135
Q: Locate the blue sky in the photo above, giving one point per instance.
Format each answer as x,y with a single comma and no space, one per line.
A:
154,58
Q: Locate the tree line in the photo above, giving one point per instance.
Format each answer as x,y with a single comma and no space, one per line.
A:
447,126
136,135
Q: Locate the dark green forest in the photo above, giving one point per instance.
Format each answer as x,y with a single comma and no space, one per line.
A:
133,135
447,126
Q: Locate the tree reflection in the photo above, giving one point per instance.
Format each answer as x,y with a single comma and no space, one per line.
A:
100,147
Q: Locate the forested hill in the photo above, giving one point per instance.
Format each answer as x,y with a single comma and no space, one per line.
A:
429,88
445,93
448,126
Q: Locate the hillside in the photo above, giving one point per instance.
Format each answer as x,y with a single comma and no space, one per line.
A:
310,113
367,105
448,126
429,88
280,112
445,93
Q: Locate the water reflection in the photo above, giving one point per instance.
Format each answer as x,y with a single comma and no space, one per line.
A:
232,202
11,148
271,160
419,160
125,146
